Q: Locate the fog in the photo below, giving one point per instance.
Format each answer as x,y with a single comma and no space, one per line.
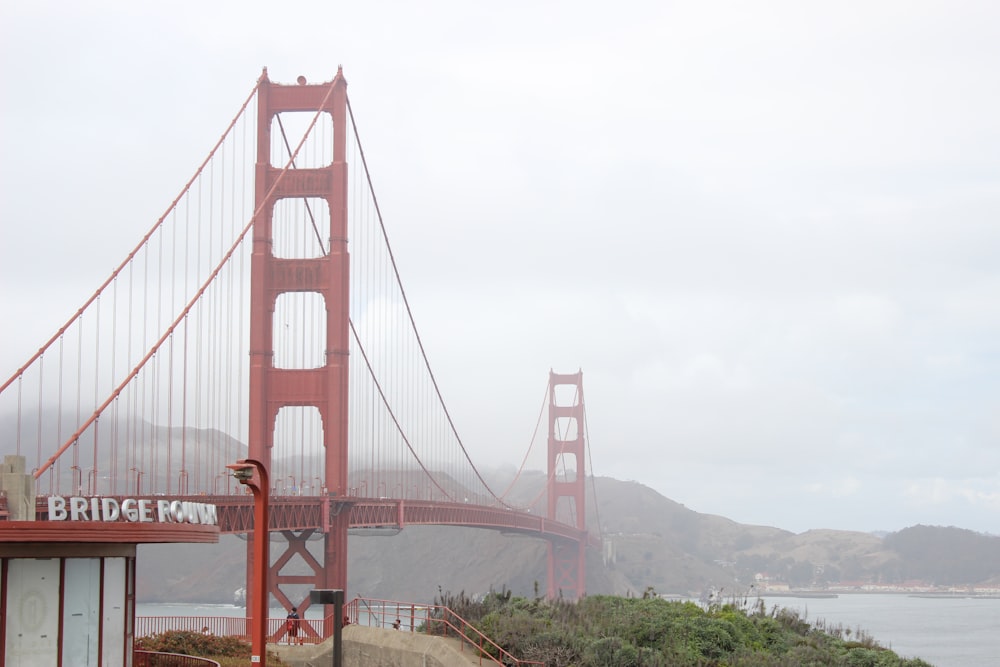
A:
764,231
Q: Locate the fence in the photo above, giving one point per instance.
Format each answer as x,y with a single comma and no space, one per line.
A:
432,620
389,614
311,631
151,659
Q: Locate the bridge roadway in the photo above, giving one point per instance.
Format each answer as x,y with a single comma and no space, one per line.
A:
297,513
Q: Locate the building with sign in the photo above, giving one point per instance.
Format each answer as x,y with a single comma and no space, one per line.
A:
67,575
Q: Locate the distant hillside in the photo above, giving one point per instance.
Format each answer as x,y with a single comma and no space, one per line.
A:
947,556
651,541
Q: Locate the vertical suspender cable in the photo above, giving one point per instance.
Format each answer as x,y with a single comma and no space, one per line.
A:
92,473
409,313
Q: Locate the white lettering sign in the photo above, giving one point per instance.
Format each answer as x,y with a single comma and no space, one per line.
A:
57,508
142,510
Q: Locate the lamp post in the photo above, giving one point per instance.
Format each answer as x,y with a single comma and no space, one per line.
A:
243,471
333,597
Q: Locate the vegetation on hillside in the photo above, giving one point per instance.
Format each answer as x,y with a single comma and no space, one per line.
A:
227,651
945,556
607,631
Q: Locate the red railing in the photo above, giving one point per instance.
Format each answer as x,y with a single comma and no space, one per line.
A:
153,659
311,631
223,626
390,614
432,620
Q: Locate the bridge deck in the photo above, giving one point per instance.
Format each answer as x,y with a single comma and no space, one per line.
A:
297,513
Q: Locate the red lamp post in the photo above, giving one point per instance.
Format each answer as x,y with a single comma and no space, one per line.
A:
243,471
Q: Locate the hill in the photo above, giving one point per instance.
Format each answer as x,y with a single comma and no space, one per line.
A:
650,541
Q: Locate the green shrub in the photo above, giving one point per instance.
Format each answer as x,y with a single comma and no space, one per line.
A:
225,650
611,652
605,631
862,657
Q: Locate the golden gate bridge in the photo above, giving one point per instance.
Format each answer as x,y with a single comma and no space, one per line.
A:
262,316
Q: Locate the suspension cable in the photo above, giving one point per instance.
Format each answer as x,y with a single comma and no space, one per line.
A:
194,299
305,200
409,312
392,415
593,483
531,445
135,251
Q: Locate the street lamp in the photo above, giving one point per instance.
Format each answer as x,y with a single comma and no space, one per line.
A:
243,471
333,597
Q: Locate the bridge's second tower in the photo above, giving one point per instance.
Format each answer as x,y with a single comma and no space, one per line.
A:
324,387
567,483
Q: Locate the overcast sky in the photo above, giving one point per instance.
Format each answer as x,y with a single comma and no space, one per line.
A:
766,231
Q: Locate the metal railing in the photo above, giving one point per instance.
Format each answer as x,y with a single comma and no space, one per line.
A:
311,631
433,620
389,614
154,659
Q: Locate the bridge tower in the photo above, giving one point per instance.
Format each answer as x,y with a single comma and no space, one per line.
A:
566,456
326,387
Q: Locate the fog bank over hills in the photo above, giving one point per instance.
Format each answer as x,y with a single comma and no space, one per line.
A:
650,542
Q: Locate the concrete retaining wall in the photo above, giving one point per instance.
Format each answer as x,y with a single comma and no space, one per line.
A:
377,647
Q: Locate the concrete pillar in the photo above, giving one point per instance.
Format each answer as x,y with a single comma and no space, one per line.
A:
18,487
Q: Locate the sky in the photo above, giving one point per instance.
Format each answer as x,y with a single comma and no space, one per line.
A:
765,231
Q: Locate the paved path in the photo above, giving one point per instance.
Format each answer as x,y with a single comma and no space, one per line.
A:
378,647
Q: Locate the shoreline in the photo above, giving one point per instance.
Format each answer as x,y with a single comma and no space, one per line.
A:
943,595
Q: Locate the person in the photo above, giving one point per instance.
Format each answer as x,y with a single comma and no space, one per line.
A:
347,620
292,627
395,624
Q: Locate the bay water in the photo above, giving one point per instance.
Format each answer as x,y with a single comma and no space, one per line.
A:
944,631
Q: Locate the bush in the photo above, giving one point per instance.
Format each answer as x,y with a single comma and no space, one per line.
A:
605,631
611,652
225,650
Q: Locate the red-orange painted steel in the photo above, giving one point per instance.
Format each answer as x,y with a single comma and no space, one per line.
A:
567,561
258,560
325,388
120,532
288,514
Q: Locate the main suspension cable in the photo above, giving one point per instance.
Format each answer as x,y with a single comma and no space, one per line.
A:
409,312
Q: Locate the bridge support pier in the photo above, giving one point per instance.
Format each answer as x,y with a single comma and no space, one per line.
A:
328,567
567,475
335,554
567,569
324,272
